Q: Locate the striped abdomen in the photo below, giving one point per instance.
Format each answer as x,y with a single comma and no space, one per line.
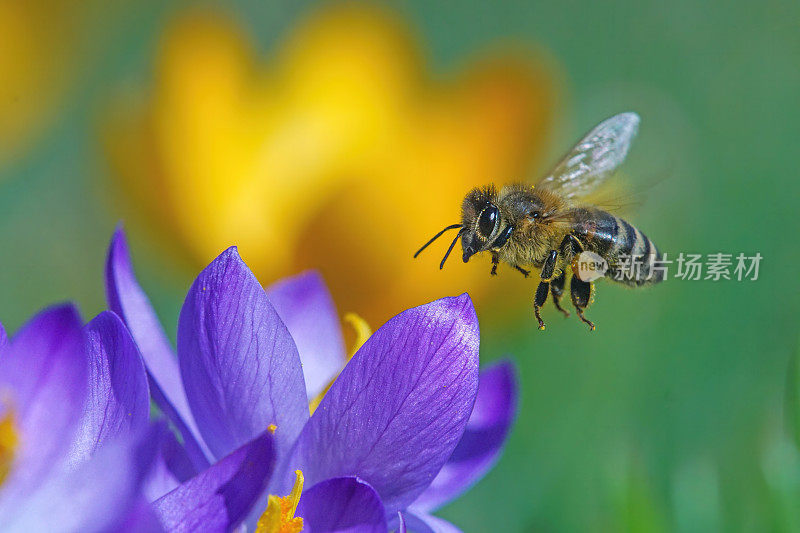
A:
631,255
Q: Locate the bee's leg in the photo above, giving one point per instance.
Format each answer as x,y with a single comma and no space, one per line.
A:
570,247
557,290
524,272
495,262
544,286
539,299
581,292
549,266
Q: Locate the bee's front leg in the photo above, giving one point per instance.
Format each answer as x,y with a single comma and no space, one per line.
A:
495,262
524,272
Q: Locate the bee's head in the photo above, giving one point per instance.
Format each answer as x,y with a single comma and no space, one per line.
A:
480,220
480,225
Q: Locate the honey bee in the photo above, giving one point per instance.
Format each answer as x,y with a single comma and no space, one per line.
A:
548,224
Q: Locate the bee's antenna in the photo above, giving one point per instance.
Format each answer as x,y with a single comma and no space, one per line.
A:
448,228
441,265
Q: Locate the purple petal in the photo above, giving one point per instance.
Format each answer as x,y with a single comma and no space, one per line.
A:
306,307
402,522
238,361
3,336
97,496
118,399
344,504
396,412
220,497
127,299
483,440
43,377
160,481
425,523
172,466
141,519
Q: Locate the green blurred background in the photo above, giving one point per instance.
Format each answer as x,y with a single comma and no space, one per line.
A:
671,415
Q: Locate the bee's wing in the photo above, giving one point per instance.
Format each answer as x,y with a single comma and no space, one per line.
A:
594,158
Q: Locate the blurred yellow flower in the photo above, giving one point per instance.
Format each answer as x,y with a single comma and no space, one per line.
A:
30,67
40,47
342,153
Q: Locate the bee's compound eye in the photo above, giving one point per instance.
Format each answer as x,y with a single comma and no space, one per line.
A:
487,221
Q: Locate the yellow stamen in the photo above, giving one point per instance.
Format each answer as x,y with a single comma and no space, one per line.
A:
362,329
279,515
363,332
271,428
8,444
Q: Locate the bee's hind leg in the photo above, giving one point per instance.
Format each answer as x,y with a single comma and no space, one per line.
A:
557,290
581,293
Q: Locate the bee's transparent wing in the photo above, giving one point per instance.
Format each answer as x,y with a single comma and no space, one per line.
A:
594,158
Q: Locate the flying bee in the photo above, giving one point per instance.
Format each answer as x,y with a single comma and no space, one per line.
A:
548,224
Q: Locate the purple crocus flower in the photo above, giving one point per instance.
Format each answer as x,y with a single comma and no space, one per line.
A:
303,298
43,487
403,429
77,448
